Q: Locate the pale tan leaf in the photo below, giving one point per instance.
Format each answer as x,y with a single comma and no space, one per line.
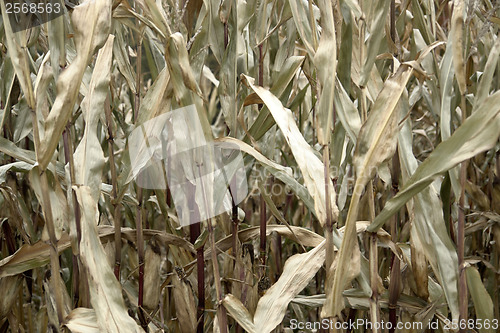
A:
58,202
311,166
376,26
88,156
152,283
376,143
105,291
301,18
38,254
82,320
477,134
325,61
31,256
377,138
457,35
16,46
419,266
184,304
238,311
91,23
50,285
282,173
56,34
298,271
484,86
10,286
45,74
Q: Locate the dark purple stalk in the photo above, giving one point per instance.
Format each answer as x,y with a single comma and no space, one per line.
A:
139,211
194,233
395,268
263,228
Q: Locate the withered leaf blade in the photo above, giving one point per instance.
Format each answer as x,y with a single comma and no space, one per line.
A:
298,271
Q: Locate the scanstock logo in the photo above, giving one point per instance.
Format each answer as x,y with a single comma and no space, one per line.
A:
205,178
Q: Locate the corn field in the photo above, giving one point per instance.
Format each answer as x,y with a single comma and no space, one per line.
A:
364,167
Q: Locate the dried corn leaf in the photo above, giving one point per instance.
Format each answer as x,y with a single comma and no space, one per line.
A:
184,305
301,18
325,61
10,291
298,271
152,283
477,134
238,311
457,36
377,138
419,266
38,254
484,87
481,299
88,156
375,38
16,46
311,166
105,291
82,320
282,173
91,23
447,73
347,112
376,143
283,78
428,228
57,199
